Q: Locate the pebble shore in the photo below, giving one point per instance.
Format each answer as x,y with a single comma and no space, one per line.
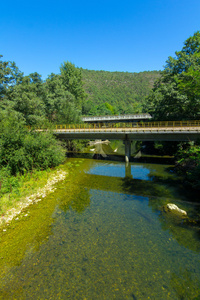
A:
34,198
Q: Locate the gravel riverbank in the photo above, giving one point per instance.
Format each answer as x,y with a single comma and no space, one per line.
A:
34,198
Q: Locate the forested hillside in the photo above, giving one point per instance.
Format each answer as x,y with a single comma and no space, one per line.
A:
116,92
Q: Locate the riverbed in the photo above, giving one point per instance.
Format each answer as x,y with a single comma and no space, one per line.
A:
103,235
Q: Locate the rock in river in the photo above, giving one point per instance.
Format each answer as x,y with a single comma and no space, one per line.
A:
170,207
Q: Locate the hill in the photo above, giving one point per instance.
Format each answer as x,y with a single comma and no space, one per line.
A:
116,92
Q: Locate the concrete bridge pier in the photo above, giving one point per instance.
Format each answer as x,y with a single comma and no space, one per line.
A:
127,144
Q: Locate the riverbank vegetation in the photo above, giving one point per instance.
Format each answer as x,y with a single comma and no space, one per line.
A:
188,164
176,96
20,191
26,102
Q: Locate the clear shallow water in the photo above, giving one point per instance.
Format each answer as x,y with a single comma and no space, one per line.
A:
120,170
103,237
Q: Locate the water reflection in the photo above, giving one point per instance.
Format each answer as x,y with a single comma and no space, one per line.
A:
102,237
160,191
137,171
128,170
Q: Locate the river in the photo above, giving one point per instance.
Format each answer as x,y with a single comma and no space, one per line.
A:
103,235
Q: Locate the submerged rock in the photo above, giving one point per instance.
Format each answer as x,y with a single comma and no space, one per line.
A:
172,208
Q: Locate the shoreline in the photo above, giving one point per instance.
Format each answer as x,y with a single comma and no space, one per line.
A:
41,193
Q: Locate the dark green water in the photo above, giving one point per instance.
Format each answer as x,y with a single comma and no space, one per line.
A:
102,235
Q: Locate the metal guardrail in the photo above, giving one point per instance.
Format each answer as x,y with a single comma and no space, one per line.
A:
160,124
116,117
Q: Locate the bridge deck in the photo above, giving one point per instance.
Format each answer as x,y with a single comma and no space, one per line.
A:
140,134
152,131
132,129
118,118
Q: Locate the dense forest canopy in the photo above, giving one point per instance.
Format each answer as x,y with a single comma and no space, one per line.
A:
116,92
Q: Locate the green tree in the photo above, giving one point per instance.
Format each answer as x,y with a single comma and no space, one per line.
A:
28,99
22,150
113,110
189,164
10,75
175,95
72,81
60,104
189,85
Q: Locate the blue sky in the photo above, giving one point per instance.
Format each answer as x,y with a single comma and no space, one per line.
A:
109,35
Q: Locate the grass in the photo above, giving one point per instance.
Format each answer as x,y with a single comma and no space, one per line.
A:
16,190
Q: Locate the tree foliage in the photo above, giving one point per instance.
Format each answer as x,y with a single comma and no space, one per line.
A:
189,164
116,92
10,75
60,104
28,100
176,94
22,150
71,78
58,100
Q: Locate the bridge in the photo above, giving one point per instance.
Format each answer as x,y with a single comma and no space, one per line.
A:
147,131
118,118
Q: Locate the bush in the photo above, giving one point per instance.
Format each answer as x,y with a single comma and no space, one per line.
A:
22,150
189,165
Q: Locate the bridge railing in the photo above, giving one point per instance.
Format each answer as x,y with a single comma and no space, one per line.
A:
116,117
156,124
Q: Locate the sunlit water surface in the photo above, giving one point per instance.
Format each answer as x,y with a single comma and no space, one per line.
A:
102,235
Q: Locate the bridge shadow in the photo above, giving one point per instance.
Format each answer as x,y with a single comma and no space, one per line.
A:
127,185
148,159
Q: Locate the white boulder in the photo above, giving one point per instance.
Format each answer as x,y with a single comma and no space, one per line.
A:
170,207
